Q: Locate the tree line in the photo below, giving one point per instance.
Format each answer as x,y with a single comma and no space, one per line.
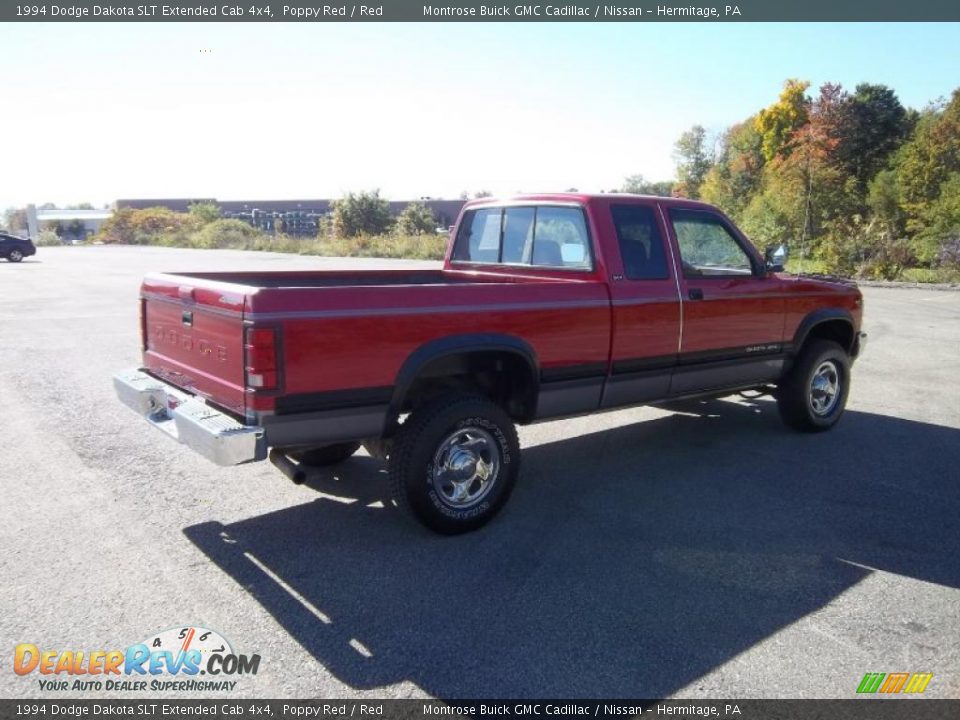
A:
352,216
853,180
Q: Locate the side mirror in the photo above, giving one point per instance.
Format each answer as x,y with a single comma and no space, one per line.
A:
775,257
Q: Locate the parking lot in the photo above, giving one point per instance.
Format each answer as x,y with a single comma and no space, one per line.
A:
698,551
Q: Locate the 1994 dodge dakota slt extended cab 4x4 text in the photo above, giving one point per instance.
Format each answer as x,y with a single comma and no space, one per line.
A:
546,306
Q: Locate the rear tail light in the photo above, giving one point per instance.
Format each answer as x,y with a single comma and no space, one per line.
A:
143,324
261,358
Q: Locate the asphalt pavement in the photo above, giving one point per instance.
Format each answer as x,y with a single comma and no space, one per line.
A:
703,550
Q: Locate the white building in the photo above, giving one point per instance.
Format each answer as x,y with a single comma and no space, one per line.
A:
74,225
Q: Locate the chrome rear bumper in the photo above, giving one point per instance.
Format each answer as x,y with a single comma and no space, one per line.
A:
189,420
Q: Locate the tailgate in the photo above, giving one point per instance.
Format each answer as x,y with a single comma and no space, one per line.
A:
194,339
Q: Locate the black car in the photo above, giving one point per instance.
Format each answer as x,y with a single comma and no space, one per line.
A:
15,248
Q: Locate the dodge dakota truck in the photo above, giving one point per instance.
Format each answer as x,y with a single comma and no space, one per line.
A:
546,306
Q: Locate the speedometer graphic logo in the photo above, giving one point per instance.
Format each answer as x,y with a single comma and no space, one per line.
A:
181,640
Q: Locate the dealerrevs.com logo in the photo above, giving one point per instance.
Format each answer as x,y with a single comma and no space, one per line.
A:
184,659
894,683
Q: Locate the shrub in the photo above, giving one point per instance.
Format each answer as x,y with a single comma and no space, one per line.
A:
224,233
149,226
416,219
364,213
413,247
47,238
855,248
949,255
205,212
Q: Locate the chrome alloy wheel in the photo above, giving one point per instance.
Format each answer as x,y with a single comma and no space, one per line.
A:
825,388
466,466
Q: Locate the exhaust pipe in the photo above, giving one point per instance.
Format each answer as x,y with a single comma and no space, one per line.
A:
288,467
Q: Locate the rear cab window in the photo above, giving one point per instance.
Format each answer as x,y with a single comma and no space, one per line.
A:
641,242
531,235
480,234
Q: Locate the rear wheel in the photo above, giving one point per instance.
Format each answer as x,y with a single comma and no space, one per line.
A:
328,455
454,463
15,256
813,395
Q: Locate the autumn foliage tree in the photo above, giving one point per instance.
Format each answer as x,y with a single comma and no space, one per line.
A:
736,175
777,123
639,185
694,160
148,226
854,180
877,124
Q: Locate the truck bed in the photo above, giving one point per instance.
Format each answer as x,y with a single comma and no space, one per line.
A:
327,322
362,278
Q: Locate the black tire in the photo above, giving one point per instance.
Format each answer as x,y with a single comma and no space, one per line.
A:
328,455
15,256
430,463
806,407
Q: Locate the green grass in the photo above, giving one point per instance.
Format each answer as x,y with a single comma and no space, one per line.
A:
158,226
931,275
236,235
414,247
910,275
411,247
807,266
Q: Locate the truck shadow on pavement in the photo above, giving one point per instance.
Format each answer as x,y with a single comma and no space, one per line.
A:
629,562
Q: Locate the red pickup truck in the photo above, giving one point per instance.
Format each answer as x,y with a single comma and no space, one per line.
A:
546,306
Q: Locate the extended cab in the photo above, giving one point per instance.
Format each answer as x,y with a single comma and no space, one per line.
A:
546,306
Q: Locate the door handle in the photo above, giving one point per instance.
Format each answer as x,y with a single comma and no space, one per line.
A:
695,294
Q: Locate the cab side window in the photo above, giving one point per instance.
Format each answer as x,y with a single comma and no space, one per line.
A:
641,245
707,247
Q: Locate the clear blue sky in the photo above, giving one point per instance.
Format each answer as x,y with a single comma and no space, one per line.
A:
94,112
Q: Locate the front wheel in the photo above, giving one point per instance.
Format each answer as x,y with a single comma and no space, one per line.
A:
454,463
813,395
15,256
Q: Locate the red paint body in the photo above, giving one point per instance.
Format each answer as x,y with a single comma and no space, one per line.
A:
338,331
